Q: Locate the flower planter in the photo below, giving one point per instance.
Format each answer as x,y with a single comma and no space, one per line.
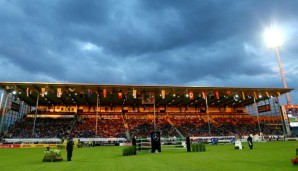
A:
294,161
52,160
52,155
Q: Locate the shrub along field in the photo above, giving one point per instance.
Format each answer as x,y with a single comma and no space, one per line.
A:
265,156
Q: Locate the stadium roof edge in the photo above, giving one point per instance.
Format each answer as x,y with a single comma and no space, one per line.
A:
92,85
76,89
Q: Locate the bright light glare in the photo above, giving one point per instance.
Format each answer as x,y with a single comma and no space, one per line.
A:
273,37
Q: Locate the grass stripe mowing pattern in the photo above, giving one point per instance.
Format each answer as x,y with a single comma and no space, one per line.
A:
269,156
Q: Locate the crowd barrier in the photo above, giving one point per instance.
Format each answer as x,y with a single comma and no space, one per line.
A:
27,145
53,142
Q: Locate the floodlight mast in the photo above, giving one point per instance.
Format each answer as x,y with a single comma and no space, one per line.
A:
283,76
274,40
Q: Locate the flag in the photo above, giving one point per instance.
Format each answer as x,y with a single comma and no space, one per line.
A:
59,92
104,93
217,95
43,90
255,94
27,92
243,95
204,94
134,94
120,95
163,94
190,95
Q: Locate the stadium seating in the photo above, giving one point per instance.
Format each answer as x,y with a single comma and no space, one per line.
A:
117,127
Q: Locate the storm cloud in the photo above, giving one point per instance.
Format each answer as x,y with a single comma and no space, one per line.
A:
169,42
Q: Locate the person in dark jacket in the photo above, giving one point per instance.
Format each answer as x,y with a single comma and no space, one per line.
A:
249,140
69,149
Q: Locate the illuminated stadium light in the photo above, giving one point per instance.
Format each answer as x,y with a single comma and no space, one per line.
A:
273,37
236,97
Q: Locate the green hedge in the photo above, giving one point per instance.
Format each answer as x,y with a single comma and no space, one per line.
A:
128,151
61,146
198,147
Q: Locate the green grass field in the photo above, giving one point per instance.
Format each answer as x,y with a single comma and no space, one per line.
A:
265,156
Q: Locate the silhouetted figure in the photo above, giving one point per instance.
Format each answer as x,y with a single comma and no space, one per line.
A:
69,149
249,140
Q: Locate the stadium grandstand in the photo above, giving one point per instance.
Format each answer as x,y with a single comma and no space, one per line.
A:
55,111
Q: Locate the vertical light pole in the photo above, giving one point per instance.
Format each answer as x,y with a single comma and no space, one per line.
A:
274,40
283,76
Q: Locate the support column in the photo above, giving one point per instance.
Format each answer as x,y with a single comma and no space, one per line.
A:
3,110
1,100
286,127
96,123
155,128
208,117
36,107
256,105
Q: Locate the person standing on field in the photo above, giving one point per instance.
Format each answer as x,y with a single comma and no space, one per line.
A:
249,140
69,149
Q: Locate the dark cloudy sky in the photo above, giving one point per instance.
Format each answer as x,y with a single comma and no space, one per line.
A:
159,42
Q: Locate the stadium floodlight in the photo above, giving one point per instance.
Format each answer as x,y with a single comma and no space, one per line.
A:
274,39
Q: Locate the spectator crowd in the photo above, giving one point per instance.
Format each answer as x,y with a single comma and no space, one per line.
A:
124,127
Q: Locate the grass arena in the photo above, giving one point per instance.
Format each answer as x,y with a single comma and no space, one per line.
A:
274,155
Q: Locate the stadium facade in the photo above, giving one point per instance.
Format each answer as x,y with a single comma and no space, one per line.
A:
21,100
